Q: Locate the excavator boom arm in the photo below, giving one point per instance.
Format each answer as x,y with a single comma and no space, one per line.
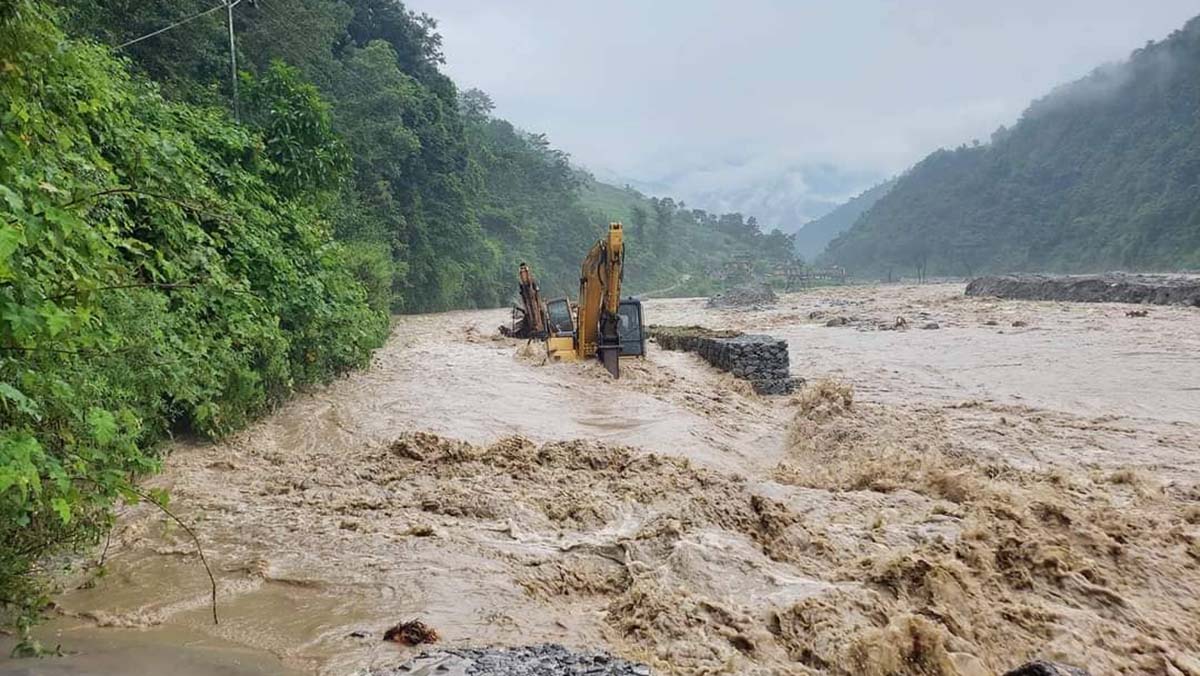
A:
529,318
600,299
531,299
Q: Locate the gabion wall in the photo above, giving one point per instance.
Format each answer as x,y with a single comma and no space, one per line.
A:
760,359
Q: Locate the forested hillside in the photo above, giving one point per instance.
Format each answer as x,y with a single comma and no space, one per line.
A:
444,197
814,236
675,249
178,256
1102,173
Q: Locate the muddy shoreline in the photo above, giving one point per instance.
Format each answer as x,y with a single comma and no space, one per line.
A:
1022,483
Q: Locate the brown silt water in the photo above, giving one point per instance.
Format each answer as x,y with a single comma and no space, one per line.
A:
1021,481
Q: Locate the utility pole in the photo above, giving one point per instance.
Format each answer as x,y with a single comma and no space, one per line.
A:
233,60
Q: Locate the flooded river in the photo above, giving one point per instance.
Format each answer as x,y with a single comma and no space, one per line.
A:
1021,480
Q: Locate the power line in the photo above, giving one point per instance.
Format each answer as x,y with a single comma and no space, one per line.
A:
177,24
228,5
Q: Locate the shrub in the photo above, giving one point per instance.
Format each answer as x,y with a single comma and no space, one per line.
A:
156,274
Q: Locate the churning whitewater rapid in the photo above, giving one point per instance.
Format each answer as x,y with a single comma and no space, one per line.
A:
964,483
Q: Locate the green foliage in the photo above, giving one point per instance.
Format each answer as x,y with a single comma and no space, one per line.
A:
374,268
455,195
160,268
1102,173
412,175
307,156
200,76
679,251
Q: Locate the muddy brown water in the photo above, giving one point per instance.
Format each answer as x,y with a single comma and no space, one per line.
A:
713,544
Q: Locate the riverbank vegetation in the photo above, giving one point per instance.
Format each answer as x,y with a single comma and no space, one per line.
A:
162,270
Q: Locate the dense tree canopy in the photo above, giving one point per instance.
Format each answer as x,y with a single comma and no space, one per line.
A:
161,268
443,195
1101,173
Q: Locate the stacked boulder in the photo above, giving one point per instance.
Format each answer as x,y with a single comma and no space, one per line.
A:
760,359
1113,287
746,296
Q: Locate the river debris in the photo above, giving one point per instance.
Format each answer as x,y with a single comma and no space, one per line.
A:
420,530
1113,287
748,296
537,660
760,359
412,632
1138,313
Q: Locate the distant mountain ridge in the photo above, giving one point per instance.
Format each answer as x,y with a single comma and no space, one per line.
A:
785,196
1102,173
674,248
812,238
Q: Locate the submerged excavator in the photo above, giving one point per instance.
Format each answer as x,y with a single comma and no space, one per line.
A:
601,325
529,320
604,325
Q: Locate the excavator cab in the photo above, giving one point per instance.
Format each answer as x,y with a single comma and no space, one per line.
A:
558,314
630,328
560,321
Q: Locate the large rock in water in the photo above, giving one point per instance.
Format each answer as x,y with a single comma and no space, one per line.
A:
1114,287
1044,668
743,296
538,660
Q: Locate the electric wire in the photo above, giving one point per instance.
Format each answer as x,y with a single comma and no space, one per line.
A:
179,23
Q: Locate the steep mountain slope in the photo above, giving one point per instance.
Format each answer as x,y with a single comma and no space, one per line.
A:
1103,172
786,195
674,249
814,236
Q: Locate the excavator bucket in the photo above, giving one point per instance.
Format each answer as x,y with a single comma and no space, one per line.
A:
608,347
610,357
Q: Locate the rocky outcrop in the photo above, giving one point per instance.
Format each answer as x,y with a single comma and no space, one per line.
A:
760,359
1107,288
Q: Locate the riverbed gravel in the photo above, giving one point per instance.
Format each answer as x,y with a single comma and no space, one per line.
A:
547,659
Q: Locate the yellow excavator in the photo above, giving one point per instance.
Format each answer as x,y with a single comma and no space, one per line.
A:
529,319
604,324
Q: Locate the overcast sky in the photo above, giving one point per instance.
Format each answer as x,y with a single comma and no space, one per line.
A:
738,100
